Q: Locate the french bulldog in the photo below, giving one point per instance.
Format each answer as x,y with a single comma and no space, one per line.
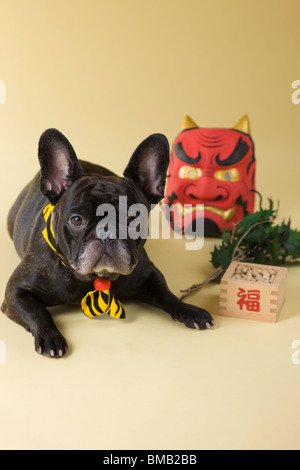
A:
46,277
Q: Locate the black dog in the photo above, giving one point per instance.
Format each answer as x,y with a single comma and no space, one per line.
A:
48,277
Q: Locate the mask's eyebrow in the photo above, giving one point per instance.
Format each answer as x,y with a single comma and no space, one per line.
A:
180,153
239,152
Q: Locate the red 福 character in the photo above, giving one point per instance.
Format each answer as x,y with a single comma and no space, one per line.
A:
250,299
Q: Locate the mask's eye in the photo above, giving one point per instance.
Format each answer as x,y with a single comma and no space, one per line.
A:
231,174
76,221
189,172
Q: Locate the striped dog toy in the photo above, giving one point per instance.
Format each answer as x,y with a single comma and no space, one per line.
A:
101,301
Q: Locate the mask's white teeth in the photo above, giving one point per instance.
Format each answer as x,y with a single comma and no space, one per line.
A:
189,208
229,214
185,209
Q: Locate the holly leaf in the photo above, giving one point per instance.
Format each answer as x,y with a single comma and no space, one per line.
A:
221,256
274,249
257,239
261,258
267,215
256,236
292,244
226,237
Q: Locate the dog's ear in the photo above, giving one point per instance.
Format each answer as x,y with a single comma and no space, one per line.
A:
148,166
59,164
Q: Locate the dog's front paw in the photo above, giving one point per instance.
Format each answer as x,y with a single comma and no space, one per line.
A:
194,317
50,342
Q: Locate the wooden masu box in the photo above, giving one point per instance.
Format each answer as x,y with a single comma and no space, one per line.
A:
250,299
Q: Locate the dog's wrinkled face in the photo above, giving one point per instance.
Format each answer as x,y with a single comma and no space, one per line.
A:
96,245
100,222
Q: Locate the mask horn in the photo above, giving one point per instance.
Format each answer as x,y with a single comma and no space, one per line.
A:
243,125
188,123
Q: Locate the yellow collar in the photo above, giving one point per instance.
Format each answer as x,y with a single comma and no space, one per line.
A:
48,230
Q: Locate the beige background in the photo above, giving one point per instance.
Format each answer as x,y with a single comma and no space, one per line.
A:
107,74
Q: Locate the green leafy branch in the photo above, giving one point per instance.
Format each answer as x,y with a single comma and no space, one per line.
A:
255,239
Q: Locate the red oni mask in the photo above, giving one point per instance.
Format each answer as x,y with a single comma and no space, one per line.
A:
214,167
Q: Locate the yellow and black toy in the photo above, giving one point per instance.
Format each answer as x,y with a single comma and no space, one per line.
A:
101,300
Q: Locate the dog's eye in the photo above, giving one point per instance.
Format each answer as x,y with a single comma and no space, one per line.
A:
76,220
